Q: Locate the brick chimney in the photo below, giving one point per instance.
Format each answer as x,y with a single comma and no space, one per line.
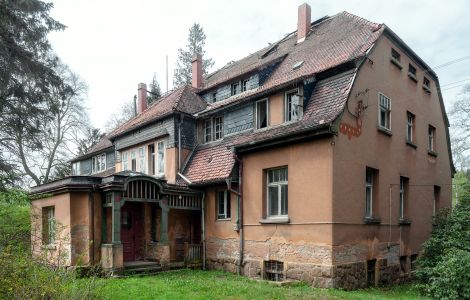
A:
141,98
197,71
304,22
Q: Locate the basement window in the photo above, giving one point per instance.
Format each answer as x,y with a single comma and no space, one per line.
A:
274,270
371,272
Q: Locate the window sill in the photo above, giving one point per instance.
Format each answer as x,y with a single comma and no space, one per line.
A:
372,220
432,153
396,63
223,219
384,130
404,221
413,77
411,144
426,89
49,247
283,220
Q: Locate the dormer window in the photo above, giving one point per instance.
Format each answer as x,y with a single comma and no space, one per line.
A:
214,96
98,163
293,106
244,85
234,88
76,168
213,129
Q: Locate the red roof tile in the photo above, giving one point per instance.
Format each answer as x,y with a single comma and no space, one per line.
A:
214,161
183,99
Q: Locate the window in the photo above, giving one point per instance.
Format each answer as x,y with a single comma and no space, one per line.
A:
274,270
277,192
384,112
411,70
161,157
262,113
98,163
369,191
48,225
218,128
403,196
437,196
151,159
125,161
76,168
133,161
244,85
214,96
223,205
142,159
234,89
431,138
395,55
213,129
410,127
293,106
426,83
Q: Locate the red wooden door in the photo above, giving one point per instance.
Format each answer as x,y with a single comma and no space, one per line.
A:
131,231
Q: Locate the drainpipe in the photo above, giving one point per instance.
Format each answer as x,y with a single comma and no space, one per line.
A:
203,225
240,211
91,224
179,142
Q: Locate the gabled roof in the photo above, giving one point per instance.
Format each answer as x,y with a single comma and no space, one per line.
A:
103,144
213,162
183,99
331,42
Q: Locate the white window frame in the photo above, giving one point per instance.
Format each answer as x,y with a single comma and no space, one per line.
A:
279,185
244,85
207,135
125,161
227,199
101,161
256,113
402,197
409,126
215,125
369,188
134,157
289,112
152,162
211,135
431,137
142,159
160,159
76,168
234,88
385,104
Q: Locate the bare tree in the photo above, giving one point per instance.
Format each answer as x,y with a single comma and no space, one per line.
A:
460,133
46,153
124,114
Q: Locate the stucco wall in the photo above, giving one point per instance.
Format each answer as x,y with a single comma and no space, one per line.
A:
392,157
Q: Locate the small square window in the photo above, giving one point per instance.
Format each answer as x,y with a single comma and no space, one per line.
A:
274,270
411,70
426,82
234,89
395,55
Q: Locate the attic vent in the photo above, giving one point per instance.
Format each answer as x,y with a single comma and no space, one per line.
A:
297,65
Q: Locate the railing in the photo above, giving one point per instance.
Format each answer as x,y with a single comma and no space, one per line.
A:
192,253
184,202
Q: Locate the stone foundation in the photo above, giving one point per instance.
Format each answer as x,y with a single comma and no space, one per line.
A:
112,258
319,265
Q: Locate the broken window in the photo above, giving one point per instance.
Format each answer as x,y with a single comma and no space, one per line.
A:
262,113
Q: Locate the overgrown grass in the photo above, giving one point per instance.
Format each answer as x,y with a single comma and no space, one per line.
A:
194,284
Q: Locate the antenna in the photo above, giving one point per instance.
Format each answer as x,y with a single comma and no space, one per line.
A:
167,73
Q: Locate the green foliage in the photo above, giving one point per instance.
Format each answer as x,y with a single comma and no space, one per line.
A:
15,228
448,247
155,91
196,43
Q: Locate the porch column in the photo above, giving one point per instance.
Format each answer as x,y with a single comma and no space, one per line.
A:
164,221
116,218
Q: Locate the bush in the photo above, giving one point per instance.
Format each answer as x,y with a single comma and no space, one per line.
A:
444,267
15,222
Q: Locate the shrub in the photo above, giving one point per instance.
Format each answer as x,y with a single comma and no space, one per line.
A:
444,267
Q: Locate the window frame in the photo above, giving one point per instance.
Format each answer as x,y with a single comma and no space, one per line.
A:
431,138
76,168
410,127
218,135
133,160
395,55
257,116
369,188
388,112
99,159
227,209
279,185
125,161
403,197
234,88
142,159
151,159
244,85
288,116
49,225
161,159
206,133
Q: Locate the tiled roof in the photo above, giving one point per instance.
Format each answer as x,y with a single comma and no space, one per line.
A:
102,144
331,42
214,161
183,99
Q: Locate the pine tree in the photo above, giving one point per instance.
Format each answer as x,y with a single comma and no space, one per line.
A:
155,91
196,43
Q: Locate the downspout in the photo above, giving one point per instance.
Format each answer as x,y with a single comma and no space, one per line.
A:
179,142
240,212
91,224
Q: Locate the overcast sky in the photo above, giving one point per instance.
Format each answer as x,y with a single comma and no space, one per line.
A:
113,45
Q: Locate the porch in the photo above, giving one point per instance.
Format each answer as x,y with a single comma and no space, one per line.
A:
148,226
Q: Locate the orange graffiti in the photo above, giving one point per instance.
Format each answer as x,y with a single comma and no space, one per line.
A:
351,130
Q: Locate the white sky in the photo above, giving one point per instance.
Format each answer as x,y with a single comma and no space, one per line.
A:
114,44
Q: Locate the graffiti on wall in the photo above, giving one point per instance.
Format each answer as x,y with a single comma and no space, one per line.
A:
355,130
